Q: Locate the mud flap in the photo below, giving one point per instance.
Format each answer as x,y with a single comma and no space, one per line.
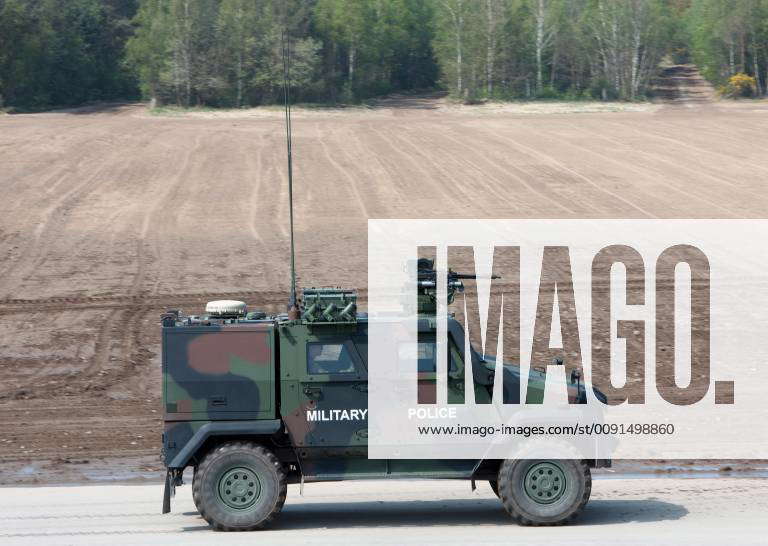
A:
168,492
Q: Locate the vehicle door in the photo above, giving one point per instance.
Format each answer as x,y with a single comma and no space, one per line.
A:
334,389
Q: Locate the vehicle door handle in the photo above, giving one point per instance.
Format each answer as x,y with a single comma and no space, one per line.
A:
362,387
314,392
217,401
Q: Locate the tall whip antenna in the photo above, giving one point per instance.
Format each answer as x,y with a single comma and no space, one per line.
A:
293,308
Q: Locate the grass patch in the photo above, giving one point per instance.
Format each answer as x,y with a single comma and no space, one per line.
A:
171,110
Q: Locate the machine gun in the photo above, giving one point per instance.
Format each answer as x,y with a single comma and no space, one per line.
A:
426,283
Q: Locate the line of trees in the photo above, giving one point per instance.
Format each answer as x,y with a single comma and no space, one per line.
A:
730,37
547,48
59,52
228,52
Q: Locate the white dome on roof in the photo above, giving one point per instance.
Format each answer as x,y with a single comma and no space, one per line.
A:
227,308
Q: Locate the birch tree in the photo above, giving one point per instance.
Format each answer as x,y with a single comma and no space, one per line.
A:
728,37
345,22
545,31
455,14
147,50
492,17
631,36
243,36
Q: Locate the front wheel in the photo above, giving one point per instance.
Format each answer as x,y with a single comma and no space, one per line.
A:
239,486
544,492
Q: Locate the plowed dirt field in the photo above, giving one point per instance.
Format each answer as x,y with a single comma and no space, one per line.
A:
111,214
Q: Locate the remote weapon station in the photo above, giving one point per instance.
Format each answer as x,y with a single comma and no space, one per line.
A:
240,390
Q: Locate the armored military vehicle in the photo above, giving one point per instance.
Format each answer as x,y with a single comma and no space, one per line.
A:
253,403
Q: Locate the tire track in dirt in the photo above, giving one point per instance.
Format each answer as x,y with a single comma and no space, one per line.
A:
537,174
351,182
439,164
109,335
278,164
703,152
644,171
103,344
117,338
49,231
51,223
491,160
71,136
390,169
377,194
436,184
164,210
379,172
121,332
255,220
548,158
481,179
742,135
460,197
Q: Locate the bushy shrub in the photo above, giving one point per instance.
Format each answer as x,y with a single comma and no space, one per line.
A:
739,85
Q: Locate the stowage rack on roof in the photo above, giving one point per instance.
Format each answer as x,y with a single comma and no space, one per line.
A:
329,306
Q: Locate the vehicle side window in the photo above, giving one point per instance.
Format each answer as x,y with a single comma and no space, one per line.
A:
426,355
329,358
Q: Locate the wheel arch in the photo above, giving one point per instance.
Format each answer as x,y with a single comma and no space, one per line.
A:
211,434
488,469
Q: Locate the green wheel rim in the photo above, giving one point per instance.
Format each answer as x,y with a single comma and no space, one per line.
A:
239,488
545,482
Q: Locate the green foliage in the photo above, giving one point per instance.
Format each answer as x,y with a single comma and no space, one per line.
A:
147,49
728,37
220,52
551,48
739,86
372,47
63,52
227,53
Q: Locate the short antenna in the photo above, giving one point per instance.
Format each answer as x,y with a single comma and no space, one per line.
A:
293,308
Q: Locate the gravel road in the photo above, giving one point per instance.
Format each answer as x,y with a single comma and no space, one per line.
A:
622,511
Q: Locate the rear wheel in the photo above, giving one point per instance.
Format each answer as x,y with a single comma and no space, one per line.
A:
239,486
544,492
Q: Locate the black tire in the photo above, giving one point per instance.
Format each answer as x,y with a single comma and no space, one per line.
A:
522,507
195,497
250,507
494,487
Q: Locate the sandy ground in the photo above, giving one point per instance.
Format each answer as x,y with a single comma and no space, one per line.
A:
641,512
111,214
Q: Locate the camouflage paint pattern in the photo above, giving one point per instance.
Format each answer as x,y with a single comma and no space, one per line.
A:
230,372
215,373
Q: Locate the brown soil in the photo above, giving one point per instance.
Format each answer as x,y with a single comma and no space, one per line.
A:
683,85
110,215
